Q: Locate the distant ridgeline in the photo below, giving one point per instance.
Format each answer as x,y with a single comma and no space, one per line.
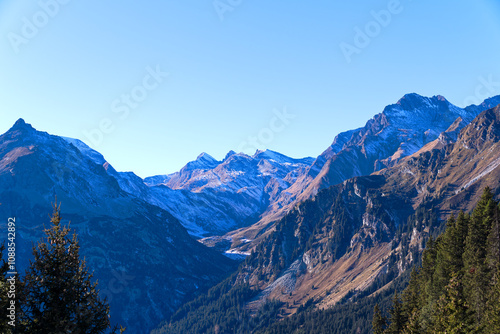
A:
457,289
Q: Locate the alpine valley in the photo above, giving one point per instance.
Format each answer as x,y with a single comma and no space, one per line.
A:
261,243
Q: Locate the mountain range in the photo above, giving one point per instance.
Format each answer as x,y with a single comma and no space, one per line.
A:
312,229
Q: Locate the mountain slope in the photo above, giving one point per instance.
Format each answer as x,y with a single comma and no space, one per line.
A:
371,209
145,261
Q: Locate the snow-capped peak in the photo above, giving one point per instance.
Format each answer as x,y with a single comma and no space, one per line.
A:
205,157
414,101
271,155
203,161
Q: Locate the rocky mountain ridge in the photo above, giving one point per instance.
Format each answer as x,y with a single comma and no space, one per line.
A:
400,130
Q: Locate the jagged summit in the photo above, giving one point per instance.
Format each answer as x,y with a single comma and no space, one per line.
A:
257,152
414,112
266,153
271,156
415,101
20,122
21,125
205,157
410,98
278,157
203,161
229,154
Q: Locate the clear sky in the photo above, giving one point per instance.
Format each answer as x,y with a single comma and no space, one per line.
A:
290,74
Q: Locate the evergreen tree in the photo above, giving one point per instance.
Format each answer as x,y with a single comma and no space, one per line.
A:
477,274
453,244
452,312
411,298
379,321
493,243
429,260
458,239
492,323
493,261
396,319
447,253
56,294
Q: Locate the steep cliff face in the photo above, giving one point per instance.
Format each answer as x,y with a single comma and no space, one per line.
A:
456,171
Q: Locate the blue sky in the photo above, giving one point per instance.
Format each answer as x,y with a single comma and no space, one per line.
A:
276,72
